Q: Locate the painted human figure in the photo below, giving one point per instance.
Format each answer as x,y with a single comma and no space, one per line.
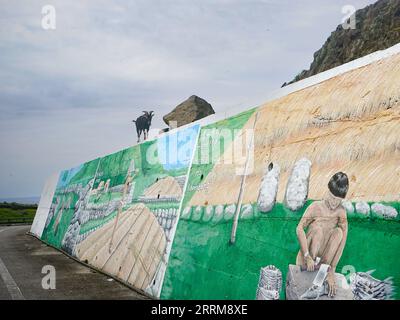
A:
326,224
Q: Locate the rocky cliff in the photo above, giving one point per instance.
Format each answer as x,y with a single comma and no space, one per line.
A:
377,28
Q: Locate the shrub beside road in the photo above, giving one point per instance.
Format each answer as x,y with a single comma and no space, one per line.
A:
12,213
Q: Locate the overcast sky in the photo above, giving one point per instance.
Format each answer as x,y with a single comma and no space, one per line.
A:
68,95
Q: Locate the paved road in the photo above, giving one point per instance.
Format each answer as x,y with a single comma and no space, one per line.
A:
22,258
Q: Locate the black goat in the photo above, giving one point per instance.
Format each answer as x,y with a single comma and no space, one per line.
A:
143,124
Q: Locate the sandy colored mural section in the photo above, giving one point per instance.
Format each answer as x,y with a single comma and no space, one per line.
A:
164,188
136,251
349,123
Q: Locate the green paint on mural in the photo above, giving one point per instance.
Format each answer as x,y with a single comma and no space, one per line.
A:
203,265
162,205
92,224
55,231
100,184
209,135
86,173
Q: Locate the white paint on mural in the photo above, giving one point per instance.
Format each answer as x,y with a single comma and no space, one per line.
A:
44,205
297,187
269,188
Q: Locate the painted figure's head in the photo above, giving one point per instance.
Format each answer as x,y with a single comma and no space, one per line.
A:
338,186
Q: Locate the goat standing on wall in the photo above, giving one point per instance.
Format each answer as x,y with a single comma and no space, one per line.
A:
143,124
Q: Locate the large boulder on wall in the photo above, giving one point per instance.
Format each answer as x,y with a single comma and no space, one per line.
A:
192,109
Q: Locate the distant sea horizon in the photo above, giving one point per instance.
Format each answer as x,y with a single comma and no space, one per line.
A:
22,200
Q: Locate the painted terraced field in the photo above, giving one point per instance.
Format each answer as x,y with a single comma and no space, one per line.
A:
131,252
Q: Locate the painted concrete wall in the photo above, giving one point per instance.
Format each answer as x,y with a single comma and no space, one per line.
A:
164,226
348,123
118,213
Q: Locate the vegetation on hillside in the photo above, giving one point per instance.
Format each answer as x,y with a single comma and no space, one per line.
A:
16,212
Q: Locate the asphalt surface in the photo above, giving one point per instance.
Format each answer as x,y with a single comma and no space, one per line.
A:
22,258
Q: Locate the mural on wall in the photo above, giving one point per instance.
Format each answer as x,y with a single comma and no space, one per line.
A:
347,126
295,199
118,213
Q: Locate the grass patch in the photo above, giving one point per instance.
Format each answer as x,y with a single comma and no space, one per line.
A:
16,213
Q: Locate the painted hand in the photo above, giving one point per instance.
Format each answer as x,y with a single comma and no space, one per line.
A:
330,279
310,263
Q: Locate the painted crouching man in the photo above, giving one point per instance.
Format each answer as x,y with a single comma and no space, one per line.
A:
326,224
